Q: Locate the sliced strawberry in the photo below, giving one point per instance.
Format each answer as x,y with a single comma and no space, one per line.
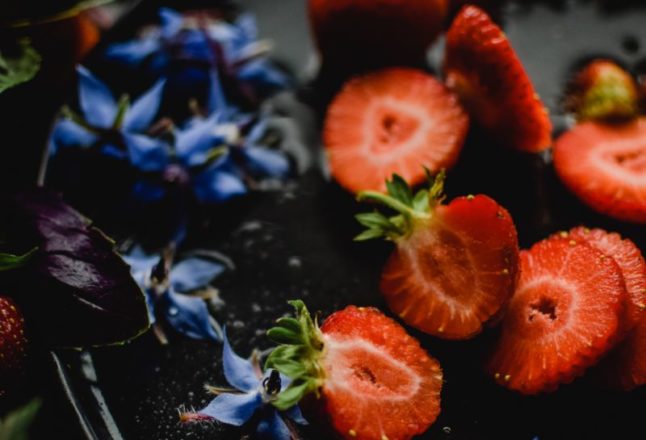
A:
455,266
625,367
392,121
376,380
482,67
564,315
631,262
605,166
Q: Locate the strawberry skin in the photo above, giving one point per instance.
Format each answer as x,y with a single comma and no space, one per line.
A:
379,382
605,166
564,315
631,262
360,34
13,343
375,380
455,266
392,121
481,66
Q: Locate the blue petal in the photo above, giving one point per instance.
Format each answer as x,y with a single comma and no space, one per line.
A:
194,143
233,409
171,22
150,305
194,273
97,103
217,185
114,151
142,112
273,427
133,52
246,23
217,102
146,153
295,414
263,74
239,372
195,46
188,315
67,133
140,263
265,162
148,191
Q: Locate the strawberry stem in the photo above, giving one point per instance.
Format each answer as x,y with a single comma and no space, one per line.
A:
384,199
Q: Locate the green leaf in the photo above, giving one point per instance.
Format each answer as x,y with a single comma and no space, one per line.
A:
15,425
369,234
399,189
292,395
281,335
15,70
373,220
290,323
10,261
289,368
420,202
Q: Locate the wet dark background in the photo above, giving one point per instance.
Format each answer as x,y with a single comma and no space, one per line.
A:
296,243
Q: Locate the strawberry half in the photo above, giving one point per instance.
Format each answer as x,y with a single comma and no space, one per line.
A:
481,66
455,266
565,314
376,380
631,262
13,344
605,166
392,121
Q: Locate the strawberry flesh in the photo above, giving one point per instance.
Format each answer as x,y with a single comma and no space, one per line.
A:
565,314
482,67
605,166
392,121
379,382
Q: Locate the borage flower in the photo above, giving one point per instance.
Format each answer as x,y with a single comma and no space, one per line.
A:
232,48
168,287
113,128
254,394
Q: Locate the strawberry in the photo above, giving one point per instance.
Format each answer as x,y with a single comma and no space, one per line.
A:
13,343
482,67
360,34
605,166
392,121
631,262
564,315
454,267
625,367
603,90
375,380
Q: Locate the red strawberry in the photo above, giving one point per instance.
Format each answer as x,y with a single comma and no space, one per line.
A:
625,367
356,34
13,343
631,262
455,266
605,166
392,121
376,380
482,67
564,315
603,90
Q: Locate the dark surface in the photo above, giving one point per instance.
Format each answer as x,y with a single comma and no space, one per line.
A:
296,243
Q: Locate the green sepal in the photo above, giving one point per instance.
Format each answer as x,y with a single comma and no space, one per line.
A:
409,207
19,69
298,355
10,261
15,425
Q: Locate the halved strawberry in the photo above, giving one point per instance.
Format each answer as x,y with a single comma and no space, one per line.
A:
455,266
481,66
376,380
392,121
625,366
605,166
565,314
631,262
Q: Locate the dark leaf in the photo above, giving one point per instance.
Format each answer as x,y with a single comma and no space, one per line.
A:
15,425
78,290
22,68
10,261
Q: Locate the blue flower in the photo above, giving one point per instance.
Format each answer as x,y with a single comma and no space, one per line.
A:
115,128
253,393
233,49
166,291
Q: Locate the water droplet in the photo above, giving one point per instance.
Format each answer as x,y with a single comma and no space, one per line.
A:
237,324
173,311
255,307
294,262
446,430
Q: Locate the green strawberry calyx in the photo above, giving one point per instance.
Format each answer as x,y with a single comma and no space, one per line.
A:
298,356
411,208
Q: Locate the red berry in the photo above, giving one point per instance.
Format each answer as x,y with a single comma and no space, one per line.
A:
482,67
13,344
605,166
392,121
379,382
565,314
455,266
356,34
